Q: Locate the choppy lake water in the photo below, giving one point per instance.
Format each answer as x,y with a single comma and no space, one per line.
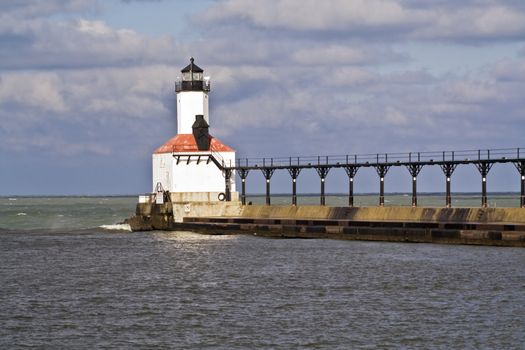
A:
70,284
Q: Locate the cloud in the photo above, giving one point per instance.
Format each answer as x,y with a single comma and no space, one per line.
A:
131,1
293,77
375,112
309,14
40,44
34,9
380,19
39,91
339,54
108,111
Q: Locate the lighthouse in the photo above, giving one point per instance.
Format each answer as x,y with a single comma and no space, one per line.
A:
191,165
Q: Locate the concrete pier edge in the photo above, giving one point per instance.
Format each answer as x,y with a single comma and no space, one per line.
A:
480,226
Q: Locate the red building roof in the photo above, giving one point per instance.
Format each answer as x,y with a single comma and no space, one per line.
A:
186,143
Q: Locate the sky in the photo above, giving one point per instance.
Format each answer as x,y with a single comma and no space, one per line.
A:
87,86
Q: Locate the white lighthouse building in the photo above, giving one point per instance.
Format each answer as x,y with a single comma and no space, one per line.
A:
191,164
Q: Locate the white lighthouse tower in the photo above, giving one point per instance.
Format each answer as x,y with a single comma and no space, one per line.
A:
191,164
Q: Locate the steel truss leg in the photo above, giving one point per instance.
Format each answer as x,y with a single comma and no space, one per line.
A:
448,169
243,173
323,172
381,171
521,169
268,172
414,170
484,168
294,173
351,172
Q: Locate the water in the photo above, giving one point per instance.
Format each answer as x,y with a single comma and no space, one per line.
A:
63,213
500,200
84,287
77,213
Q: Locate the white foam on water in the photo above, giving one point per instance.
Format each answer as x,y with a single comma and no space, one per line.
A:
12,199
117,227
21,214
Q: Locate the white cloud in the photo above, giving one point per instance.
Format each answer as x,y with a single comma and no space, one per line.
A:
330,54
311,14
474,23
38,90
293,77
94,111
379,19
78,44
36,8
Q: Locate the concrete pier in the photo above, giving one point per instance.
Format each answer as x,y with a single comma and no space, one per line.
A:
480,226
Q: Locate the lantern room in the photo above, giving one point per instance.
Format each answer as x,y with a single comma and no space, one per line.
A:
192,79
192,97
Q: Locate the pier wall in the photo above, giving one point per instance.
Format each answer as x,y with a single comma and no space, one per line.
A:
480,226
151,216
510,215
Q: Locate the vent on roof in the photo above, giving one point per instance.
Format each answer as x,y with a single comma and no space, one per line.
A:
201,133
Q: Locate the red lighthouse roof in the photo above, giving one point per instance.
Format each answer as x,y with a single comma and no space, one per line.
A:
186,143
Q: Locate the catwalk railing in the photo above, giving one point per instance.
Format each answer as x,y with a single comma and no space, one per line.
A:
448,161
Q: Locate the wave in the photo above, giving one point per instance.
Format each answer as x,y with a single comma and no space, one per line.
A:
116,227
21,214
